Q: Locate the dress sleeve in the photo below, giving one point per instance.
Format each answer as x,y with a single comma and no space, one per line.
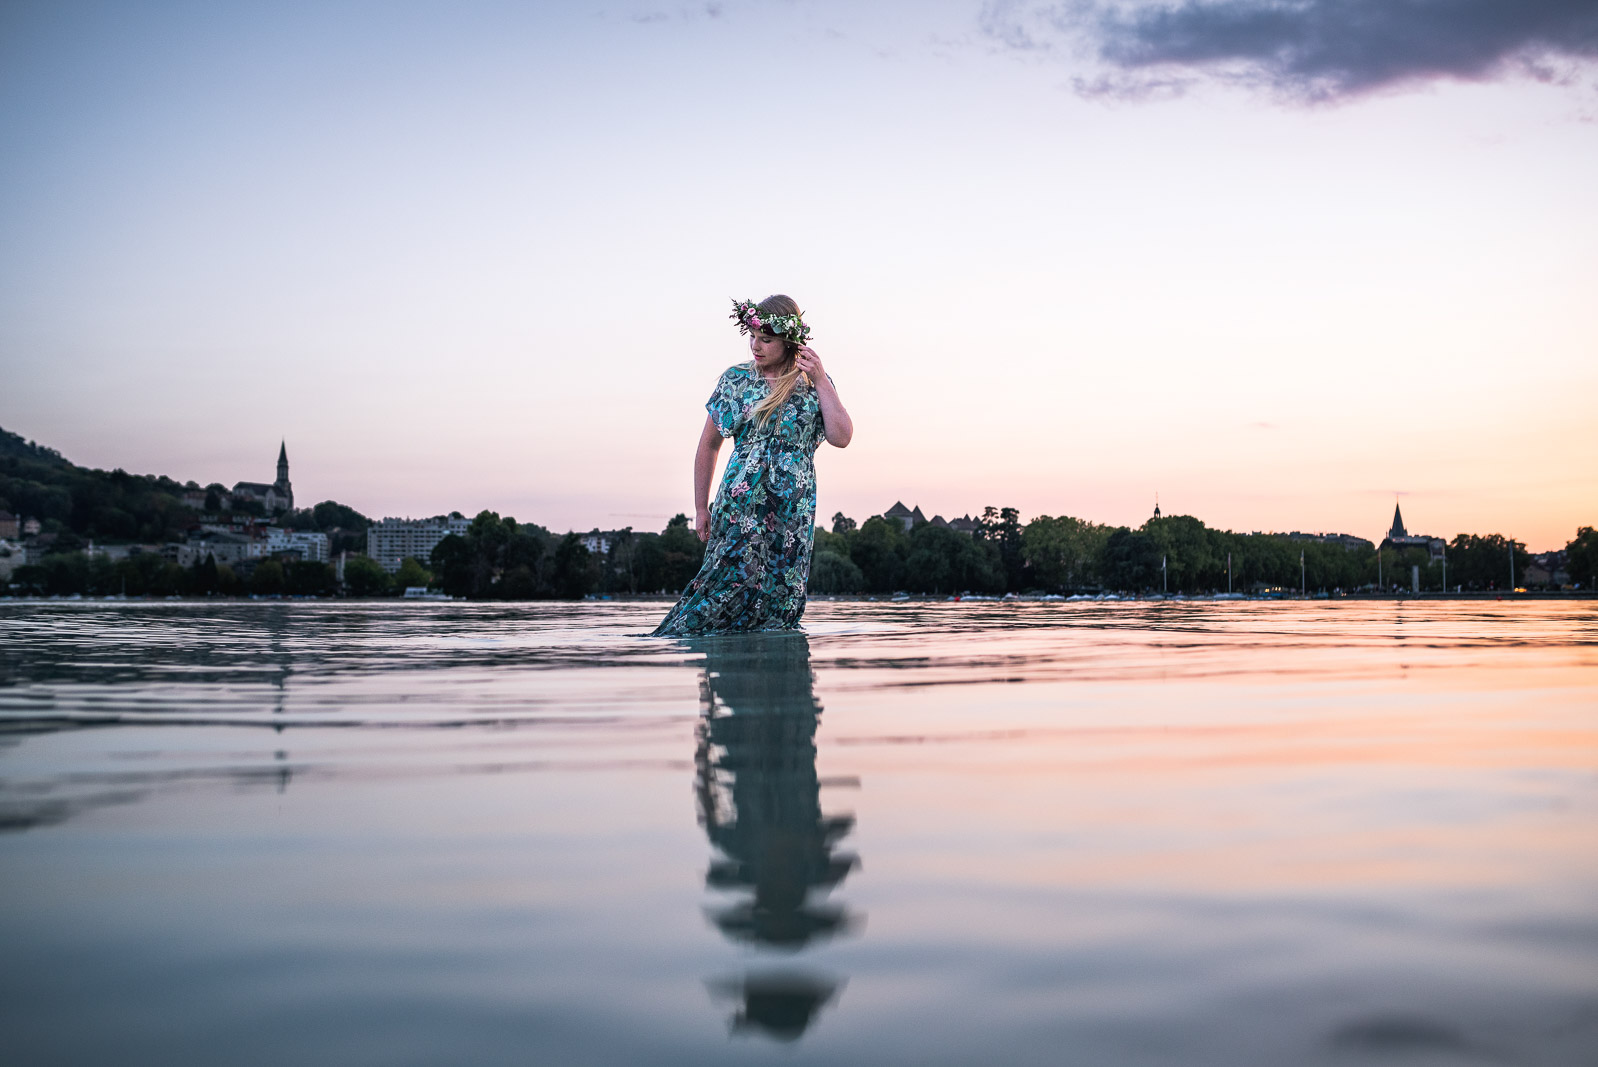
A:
725,405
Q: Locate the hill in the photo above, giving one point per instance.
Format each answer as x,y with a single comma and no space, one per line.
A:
38,482
79,503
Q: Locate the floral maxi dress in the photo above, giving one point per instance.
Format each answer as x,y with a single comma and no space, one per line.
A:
757,560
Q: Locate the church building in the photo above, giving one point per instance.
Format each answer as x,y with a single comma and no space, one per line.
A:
1398,537
910,518
279,496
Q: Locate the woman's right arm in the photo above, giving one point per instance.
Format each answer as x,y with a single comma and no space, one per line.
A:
704,467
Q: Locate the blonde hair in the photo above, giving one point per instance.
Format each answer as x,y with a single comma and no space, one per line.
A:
783,385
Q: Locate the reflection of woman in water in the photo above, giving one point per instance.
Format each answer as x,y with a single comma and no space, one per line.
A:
759,800
777,408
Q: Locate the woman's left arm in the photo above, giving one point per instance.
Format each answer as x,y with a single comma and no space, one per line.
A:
839,427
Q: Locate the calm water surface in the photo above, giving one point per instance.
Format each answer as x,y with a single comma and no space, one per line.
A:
1134,833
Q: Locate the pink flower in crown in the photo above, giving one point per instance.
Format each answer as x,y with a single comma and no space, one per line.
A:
754,320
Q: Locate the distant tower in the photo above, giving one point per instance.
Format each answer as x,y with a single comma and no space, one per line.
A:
1156,505
284,487
1397,531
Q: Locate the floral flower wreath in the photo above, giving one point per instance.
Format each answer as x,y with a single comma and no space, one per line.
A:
790,328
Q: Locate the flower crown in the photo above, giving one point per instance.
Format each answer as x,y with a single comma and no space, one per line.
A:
790,328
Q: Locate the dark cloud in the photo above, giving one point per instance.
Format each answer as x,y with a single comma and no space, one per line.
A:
1315,50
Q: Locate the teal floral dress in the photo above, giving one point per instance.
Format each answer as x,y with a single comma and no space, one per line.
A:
757,560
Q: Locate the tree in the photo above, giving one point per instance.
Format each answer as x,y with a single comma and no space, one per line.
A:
331,515
1130,560
1482,561
411,573
842,524
496,558
1194,555
649,563
166,579
268,578
879,549
29,580
1329,566
1581,558
941,560
682,552
823,540
306,577
832,573
518,583
344,526
204,580
1060,552
453,562
527,545
574,569
617,571
364,576
60,574
1001,527
1397,563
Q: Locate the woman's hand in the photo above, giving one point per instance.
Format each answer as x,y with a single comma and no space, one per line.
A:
810,363
704,466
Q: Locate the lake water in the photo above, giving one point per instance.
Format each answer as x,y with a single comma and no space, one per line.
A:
945,833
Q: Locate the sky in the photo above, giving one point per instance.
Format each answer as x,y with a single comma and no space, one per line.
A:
1282,264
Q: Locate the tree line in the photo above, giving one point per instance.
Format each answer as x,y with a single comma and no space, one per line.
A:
497,559
152,575
1175,553
501,559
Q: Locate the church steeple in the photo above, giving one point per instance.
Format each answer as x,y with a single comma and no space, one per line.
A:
285,489
1398,524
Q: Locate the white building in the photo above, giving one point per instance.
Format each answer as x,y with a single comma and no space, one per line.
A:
308,546
391,540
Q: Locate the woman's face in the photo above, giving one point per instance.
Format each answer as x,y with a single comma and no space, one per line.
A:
766,347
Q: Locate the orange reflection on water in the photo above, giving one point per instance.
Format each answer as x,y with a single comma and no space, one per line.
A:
1262,767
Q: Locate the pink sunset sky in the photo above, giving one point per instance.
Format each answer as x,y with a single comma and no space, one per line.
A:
1056,257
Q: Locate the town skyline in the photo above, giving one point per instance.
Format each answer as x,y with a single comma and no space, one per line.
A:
117,533
279,495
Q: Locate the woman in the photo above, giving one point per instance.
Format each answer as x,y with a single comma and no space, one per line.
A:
777,408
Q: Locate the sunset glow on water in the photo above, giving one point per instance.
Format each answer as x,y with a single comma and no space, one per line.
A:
1248,832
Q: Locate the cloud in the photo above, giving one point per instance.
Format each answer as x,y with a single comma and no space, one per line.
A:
1306,50
685,14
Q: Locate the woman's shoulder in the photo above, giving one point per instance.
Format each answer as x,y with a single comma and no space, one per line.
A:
738,373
